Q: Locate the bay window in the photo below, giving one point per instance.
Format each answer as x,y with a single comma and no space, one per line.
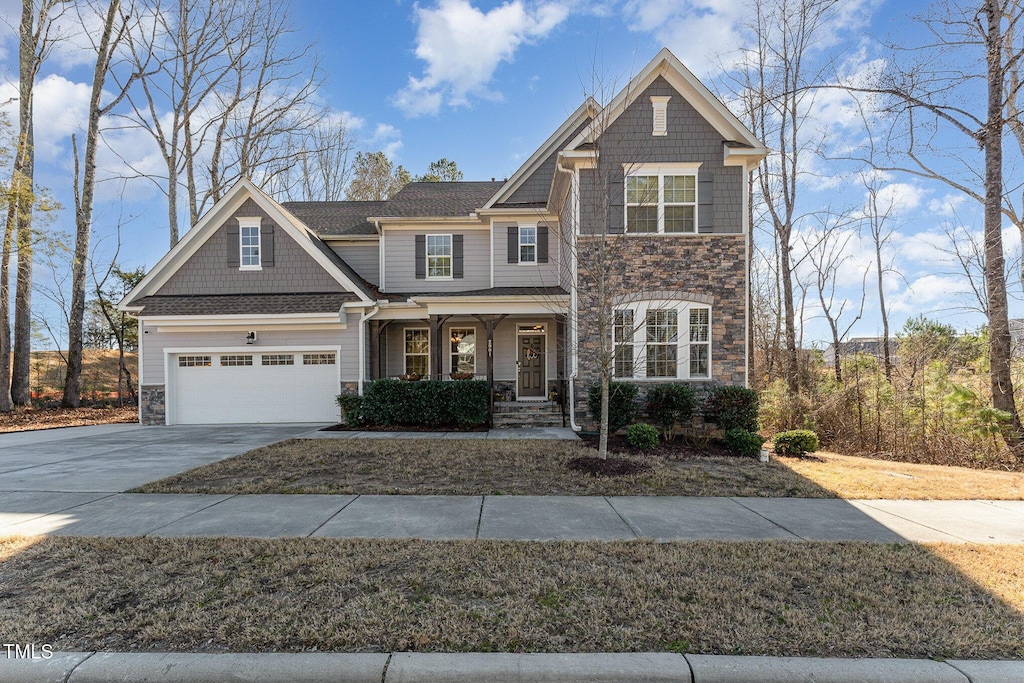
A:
662,340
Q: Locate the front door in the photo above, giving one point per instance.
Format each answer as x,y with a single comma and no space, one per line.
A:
532,380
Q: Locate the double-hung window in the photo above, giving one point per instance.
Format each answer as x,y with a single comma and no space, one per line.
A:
249,243
662,199
439,256
662,340
527,244
417,351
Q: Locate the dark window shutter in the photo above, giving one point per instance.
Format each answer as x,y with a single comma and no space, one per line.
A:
234,246
421,257
267,246
513,244
705,201
542,244
457,260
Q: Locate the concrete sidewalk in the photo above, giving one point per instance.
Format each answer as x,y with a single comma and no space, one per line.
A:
522,518
401,667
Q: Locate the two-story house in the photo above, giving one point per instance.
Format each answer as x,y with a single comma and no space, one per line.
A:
634,214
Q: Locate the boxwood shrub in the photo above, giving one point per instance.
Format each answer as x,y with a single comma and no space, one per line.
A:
732,408
797,442
622,406
642,436
426,403
744,443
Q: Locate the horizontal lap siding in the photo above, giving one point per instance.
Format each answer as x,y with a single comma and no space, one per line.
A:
154,343
533,275
364,259
400,266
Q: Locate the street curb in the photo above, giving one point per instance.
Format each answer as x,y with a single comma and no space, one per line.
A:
658,667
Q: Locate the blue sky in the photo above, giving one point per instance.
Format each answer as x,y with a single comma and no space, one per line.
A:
484,83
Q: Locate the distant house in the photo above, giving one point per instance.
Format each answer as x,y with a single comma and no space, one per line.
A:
871,346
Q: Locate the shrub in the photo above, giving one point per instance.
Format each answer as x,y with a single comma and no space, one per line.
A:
621,404
642,436
351,409
669,405
430,403
798,442
744,443
732,408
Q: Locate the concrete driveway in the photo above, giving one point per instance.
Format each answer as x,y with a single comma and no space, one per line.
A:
112,458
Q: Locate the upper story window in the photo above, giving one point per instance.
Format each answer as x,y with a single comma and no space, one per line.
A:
662,200
249,243
527,244
662,340
439,256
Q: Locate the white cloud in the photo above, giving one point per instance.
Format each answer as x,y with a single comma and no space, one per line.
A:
697,32
388,139
463,46
61,108
947,205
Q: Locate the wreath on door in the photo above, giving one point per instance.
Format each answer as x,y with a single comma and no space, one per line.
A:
530,354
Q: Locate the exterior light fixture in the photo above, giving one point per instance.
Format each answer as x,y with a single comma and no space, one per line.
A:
250,338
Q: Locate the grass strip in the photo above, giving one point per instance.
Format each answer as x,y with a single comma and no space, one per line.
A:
473,467
763,598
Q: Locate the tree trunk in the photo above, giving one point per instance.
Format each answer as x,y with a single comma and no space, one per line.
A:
786,275
21,393
995,278
5,308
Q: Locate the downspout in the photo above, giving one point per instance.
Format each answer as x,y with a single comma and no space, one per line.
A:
571,356
362,344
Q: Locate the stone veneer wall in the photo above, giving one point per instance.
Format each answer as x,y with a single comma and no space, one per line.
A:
152,402
708,269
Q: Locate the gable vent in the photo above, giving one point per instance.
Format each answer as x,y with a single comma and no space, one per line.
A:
660,105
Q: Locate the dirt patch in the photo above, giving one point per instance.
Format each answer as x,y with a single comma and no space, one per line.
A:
476,467
403,428
764,598
25,419
680,448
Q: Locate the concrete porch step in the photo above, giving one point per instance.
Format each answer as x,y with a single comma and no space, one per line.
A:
527,407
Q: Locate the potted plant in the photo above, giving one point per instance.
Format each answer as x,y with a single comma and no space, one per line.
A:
461,375
410,377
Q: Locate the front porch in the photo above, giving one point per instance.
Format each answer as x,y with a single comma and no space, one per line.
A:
520,355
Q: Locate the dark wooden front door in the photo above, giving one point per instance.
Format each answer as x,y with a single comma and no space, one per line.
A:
531,366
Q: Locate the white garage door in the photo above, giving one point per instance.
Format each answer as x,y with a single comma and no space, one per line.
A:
279,386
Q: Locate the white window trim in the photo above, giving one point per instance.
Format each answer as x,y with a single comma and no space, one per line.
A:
450,257
250,222
662,170
535,260
453,354
406,354
682,309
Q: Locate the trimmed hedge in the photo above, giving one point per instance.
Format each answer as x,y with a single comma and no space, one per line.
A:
732,408
351,409
670,404
622,407
426,403
798,442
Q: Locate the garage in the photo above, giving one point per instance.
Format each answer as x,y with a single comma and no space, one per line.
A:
279,385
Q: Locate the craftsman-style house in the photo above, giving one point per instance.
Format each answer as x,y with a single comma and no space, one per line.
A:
264,312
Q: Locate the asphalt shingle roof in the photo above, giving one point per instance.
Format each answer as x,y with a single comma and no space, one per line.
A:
244,304
425,200
336,218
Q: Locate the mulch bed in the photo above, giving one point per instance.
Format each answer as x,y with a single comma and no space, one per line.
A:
403,428
678,449
606,467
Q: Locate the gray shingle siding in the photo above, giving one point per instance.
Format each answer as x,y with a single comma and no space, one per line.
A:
207,272
629,140
399,269
535,188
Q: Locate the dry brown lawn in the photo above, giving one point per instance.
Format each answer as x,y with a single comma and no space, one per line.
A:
24,419
852,477
765,598
99,372
473,467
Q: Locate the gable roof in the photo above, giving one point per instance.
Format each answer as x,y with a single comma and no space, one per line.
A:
208,225
689,86
583,113
435,200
